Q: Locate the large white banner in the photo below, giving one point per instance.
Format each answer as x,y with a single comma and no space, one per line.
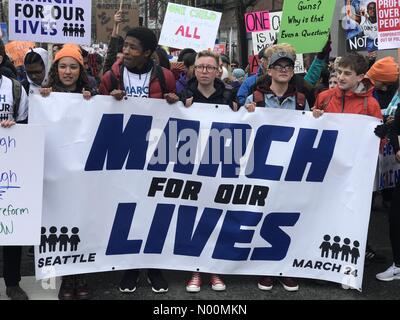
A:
66,21
21,184
189,27
142,184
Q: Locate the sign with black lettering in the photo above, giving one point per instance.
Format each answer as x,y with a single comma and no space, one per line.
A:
62,21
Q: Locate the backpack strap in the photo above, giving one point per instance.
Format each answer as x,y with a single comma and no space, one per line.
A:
161,78
17,93
300,101
258,98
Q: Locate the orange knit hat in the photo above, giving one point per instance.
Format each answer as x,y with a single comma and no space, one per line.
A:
384,70
70,50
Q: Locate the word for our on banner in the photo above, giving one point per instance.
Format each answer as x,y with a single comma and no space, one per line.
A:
25,11
115,148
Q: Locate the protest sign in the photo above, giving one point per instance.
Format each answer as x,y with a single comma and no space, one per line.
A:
16,51
4,32
67,21
257,21
150,185
388,24
105,19
265,39
189,27
21,184
306,24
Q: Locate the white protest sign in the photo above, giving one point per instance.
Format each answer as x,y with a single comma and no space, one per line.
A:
266,39
189,27
21,184
140,184
63,21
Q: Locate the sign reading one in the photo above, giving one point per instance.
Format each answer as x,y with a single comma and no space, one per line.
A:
257,21
63,21
189,27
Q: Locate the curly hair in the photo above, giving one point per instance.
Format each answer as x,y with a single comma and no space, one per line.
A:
55,82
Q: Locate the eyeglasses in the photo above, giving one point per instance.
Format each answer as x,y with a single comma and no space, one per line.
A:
280,68
208,68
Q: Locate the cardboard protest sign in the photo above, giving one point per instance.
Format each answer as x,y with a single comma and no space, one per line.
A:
67,21
105,19
306,25
189,27
388,24
16,51
257,21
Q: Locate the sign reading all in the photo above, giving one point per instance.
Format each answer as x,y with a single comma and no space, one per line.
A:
65,21
189,27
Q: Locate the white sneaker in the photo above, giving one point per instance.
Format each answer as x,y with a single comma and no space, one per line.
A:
392,273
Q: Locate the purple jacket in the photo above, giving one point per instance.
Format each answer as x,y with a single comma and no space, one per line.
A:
181,84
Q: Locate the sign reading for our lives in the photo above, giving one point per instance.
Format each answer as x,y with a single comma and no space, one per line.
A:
306,24
388,24
189,27
142,184
62,21
21,184
257,21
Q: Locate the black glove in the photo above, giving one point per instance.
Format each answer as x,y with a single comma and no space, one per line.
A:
381,131
324,54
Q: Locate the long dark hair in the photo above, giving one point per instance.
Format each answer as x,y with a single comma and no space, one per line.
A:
55,83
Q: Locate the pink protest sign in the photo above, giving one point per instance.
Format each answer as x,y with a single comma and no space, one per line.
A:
257,21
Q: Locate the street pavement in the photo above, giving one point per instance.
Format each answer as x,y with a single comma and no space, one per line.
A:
104,285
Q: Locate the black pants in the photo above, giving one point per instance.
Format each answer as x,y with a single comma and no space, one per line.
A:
394,225
12,265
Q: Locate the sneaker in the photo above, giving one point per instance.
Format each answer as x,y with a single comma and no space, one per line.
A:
194,284
67,289
216,283
157,281
392,273
16,293
372,256
129,281
289,284
265,283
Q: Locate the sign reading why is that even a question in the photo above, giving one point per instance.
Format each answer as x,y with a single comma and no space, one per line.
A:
61,21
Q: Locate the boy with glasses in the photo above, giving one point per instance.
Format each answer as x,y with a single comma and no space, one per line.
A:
278,92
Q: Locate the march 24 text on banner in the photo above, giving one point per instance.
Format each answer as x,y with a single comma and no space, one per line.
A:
188,27
21,184
306,24
144,184
63,21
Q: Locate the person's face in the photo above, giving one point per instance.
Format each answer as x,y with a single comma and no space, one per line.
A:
282,71
333,82
134,56
206,70
68,71
380,86
371,9
36,72
348,79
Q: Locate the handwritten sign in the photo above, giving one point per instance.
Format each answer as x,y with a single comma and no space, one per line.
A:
41,21
16,50
388,24
21,184
306,24
257,21
189,27
105,19
266,39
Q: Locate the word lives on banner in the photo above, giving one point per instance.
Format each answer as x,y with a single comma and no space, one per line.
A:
142,184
